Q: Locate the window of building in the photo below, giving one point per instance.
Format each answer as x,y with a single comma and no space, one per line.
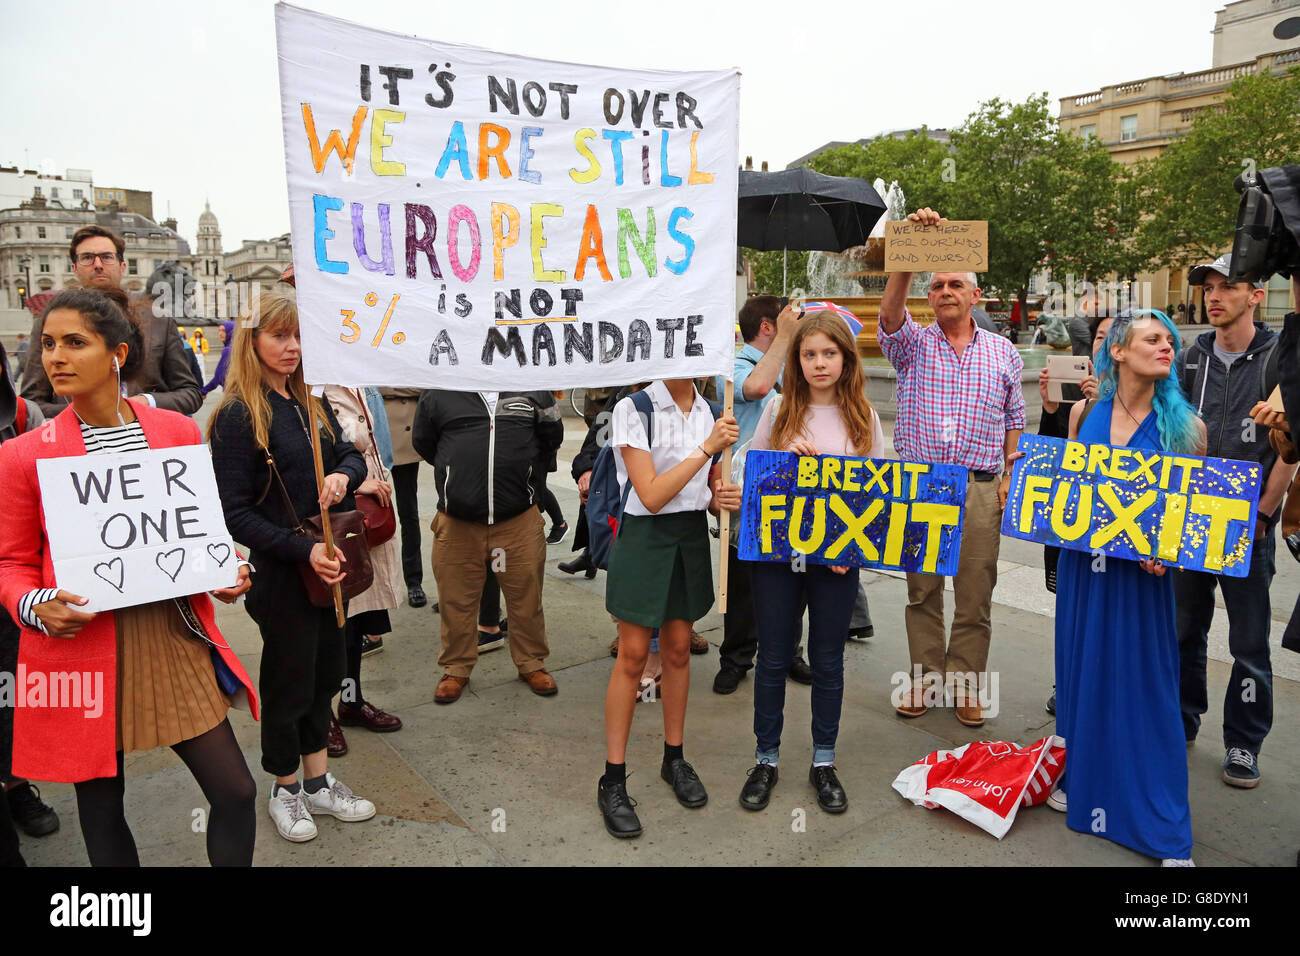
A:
1128,128
1089,131
132,267
44,264
18,232
36,191
40,232
77,194
54,192
67,232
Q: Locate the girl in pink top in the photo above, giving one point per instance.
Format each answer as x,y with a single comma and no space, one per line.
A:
823,411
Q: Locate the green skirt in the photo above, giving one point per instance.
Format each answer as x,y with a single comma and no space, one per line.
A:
660,569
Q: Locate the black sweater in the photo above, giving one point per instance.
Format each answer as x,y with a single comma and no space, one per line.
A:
243,476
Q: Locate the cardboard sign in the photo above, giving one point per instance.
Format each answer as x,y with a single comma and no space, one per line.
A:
466,219
1189,512
860,512
136,527
1274,400
958,246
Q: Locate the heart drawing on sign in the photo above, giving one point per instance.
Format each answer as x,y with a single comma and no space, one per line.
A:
111,572
171,562
220,553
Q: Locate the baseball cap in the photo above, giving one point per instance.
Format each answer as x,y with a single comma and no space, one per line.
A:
1221,265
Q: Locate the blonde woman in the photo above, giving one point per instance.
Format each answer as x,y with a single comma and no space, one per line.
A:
264,417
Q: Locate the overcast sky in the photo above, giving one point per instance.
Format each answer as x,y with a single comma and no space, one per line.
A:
187,101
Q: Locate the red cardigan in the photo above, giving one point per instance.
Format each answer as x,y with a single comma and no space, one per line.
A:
61,743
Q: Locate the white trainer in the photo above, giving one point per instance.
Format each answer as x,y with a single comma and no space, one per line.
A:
1056,800
1173,862
336,800
289,811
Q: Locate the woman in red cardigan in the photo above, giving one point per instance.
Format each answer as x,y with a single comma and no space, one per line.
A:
164,682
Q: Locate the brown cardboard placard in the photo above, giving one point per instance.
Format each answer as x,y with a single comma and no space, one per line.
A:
955,246
1275,399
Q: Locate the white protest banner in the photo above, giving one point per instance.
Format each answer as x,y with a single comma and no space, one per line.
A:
136,527
465,219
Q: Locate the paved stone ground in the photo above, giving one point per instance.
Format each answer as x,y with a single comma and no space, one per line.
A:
503,777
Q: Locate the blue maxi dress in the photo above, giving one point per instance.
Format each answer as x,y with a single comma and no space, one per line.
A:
1117,691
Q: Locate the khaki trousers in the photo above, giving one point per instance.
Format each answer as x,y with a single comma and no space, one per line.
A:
967,651
462,551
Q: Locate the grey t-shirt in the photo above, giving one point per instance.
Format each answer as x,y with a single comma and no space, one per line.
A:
1227,358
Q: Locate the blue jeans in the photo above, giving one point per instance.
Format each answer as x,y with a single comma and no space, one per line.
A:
1248,701
780,595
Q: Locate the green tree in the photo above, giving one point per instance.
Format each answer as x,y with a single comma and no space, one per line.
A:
1098,213
767,270
922,166
916,161
1191,199
1012,165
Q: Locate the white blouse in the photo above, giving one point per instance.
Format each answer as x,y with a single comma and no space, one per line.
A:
675,439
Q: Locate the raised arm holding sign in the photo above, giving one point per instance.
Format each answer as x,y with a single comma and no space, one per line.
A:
959,402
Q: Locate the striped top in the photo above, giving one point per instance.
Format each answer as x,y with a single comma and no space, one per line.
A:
99,440
112,439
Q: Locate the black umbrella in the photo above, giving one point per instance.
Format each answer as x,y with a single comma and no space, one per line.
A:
800,209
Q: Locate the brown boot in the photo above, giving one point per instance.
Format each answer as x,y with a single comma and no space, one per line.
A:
449,689
540,683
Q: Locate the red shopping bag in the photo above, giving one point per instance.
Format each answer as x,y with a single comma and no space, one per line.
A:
985,782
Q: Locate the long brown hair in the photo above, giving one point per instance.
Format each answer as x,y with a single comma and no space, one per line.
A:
270,312
850,391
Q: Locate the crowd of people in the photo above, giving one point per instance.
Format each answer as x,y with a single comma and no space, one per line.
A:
105,373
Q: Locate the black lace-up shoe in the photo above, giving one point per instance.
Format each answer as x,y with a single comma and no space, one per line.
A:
685,782
33,816
830,794
757,791
618,809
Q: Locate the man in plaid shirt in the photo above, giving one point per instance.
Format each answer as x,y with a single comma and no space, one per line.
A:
959,402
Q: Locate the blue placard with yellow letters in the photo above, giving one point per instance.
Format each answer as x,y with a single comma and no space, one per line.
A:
1186,511
860,512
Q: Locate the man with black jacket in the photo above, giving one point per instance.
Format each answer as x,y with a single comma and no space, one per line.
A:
165,379
1225,374
484,448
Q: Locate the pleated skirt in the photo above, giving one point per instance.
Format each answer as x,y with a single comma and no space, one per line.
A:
167,691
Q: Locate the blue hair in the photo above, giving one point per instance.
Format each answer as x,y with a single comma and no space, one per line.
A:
1175,415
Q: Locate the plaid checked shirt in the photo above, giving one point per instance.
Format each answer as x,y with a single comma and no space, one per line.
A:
954,409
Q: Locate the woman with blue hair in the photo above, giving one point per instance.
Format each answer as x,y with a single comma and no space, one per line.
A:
1116,644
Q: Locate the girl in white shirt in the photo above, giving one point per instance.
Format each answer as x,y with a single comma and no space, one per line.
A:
660,574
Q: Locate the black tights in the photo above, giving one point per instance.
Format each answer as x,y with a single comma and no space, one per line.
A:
218,765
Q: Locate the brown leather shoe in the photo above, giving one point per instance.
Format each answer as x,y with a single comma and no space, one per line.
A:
370,717
912,704
336,745
540,683
698,644
971,716
449,689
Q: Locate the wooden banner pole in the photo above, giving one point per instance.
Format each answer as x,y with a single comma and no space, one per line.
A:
324,511
724,517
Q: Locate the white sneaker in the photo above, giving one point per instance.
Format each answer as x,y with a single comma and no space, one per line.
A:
1173,862
289,811
1056,800
336,800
